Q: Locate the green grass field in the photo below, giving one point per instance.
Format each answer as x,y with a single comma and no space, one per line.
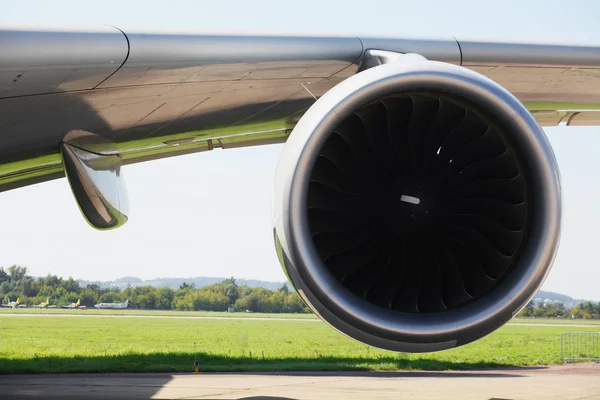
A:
32,344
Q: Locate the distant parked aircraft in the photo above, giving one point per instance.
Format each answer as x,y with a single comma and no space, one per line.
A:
73,305
112,306
44,304
13,304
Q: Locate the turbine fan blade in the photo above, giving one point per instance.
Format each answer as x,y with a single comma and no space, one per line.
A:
416,204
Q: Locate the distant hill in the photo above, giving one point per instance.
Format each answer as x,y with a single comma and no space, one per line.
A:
175,283
568,301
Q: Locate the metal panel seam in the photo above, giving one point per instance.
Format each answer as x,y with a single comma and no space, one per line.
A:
459,49
124,61
362,50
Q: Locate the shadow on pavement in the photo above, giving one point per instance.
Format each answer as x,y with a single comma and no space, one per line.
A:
120,377
184,362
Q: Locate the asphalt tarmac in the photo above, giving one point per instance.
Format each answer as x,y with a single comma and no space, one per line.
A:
581,381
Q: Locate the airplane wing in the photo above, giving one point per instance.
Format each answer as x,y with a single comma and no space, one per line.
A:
161,95
434,143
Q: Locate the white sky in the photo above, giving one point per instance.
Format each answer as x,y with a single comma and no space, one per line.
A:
209,214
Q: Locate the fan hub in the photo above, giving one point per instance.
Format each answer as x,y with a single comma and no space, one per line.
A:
413,208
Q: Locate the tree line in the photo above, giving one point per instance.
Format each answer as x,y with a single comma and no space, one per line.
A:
16,283
584,310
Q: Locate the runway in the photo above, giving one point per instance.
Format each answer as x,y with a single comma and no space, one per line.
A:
100,315
548,383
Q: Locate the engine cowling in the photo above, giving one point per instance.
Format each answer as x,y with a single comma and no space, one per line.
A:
417,206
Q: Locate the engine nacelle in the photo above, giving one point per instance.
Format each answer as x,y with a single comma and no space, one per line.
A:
417,206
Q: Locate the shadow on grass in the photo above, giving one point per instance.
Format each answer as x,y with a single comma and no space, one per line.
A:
184,362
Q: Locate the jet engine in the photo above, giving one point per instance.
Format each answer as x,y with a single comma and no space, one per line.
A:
417,206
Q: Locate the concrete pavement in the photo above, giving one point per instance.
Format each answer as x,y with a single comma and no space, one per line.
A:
548,383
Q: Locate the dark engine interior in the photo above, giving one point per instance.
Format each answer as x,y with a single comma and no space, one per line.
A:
418,204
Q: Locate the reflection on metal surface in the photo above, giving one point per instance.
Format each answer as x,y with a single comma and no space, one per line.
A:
528,53
374,58
50,61
161,95
93,168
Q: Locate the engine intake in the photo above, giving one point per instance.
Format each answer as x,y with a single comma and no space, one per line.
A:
417,206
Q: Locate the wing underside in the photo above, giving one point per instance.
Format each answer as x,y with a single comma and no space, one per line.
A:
161,95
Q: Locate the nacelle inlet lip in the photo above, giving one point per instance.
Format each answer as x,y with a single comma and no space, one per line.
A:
386,328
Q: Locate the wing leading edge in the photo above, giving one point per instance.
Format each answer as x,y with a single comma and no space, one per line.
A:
161,95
